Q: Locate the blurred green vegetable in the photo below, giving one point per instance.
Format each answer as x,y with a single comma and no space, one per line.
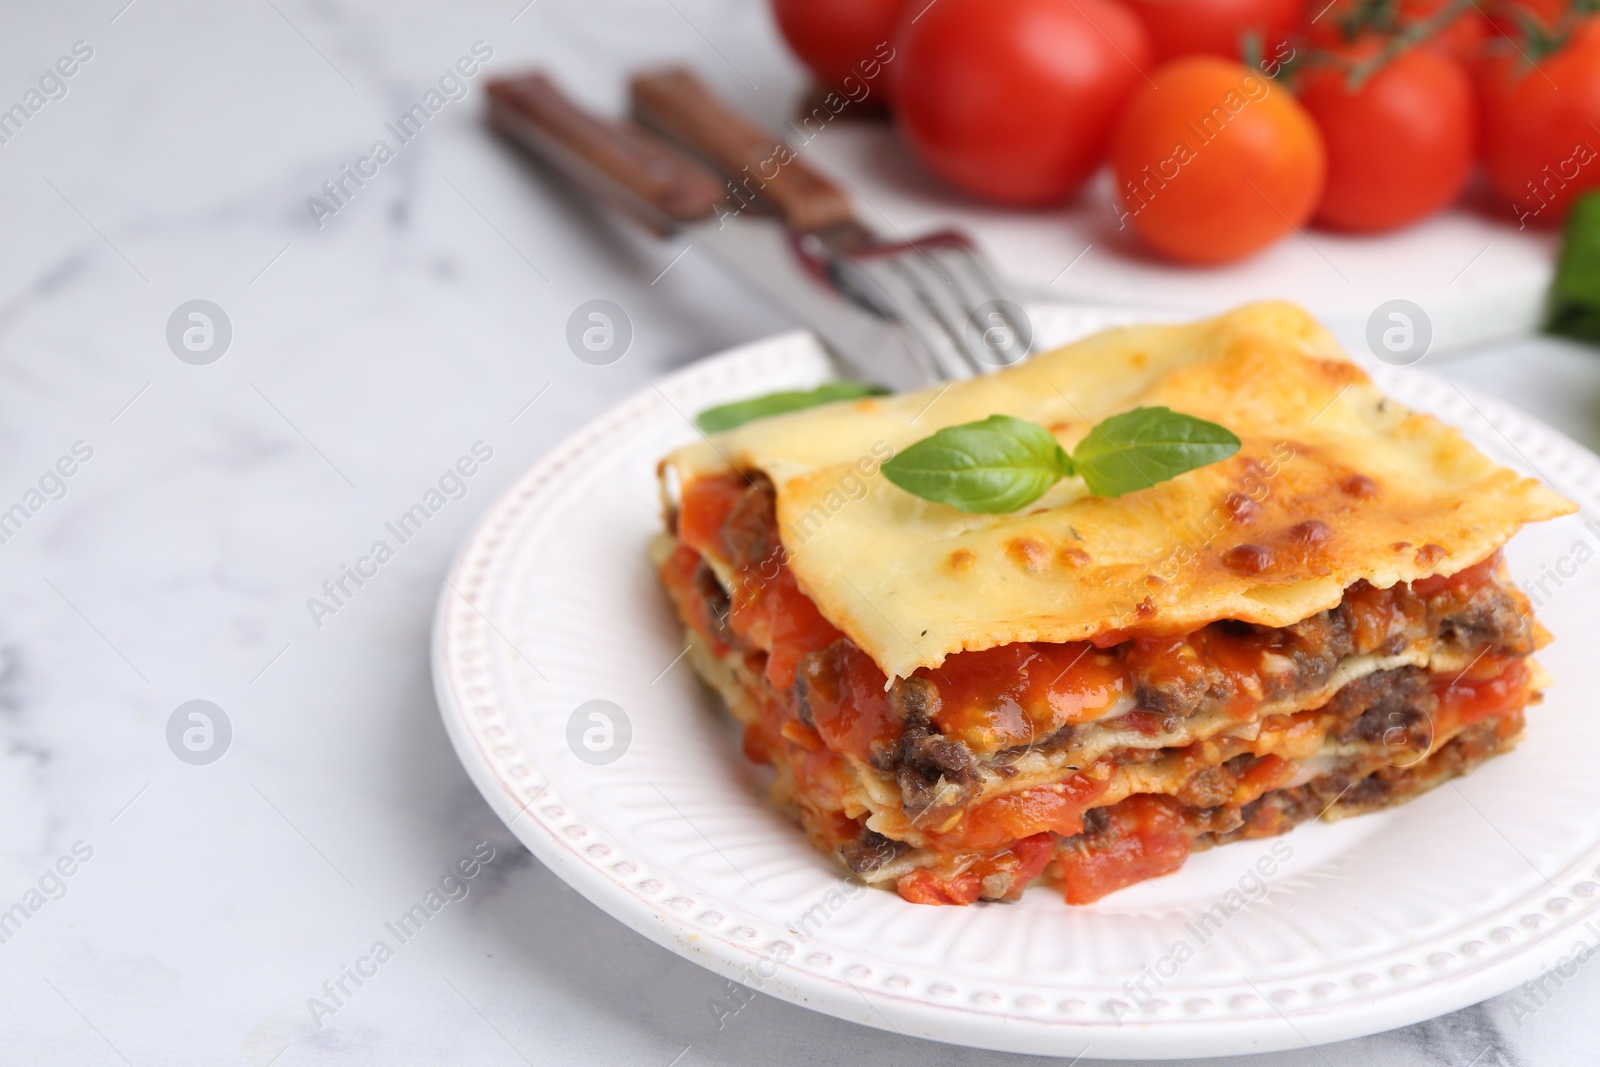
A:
1575,294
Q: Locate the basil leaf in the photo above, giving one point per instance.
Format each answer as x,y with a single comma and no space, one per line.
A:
728,416
1146,446
994,466
1575,294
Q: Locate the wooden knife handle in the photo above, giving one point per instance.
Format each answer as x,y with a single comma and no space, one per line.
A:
759,166
616,161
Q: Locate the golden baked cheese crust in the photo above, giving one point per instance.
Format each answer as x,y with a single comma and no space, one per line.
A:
1333,484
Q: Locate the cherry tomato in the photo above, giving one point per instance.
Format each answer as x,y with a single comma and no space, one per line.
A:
1350,21
841,39
1539,137
1513,16
1015,100
1215,161
1216,27
1400,147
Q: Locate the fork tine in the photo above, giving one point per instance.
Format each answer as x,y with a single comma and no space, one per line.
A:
884,285
989,309
977,294
939,295
946,299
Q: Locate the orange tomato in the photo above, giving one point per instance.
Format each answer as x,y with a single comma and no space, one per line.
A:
1215,162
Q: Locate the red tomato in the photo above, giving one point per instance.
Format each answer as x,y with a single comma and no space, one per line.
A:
1539,136
1400,147
1216,27
1511,16
1463,39
841,39
1348,21
1215,161
1015,100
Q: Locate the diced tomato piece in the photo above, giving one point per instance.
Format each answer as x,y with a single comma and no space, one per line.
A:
704,508
1266,773
678,574
1144,720
1148,840
983,696
849,708
1471,697
924,887
1480,573
1033,856
757,747
795,627
1010,695
995,823
1021,864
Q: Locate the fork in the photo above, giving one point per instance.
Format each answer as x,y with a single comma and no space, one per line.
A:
939,289
908,314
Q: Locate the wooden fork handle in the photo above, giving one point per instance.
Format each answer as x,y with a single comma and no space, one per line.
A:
615,161
759,167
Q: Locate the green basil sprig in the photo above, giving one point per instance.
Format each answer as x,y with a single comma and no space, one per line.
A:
728,416
1004,463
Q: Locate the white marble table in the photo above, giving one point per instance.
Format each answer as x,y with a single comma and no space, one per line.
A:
206,904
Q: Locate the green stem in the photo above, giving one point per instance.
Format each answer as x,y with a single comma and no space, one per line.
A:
1409,37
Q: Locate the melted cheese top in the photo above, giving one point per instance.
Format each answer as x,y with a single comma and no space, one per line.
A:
1333,483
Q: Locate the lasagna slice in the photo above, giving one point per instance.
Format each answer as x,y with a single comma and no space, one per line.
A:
1085,691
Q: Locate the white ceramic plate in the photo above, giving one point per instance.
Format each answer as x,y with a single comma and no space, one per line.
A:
1364,925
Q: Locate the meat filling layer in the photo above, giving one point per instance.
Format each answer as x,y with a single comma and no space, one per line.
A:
965,781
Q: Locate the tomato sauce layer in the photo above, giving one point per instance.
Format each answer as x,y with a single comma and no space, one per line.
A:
826,699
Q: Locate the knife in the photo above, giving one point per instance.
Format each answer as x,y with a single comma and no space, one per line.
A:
656,185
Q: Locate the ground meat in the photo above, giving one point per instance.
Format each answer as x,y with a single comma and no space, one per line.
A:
1173,696
1386,706
934,771
931,769
870,852
1213,786
714,603
1096,822
1491,617
914,700
1282,809
1316,645
1393,783
750,532
1219,820
1209,788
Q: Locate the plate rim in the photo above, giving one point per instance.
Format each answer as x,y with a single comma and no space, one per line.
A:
552,839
